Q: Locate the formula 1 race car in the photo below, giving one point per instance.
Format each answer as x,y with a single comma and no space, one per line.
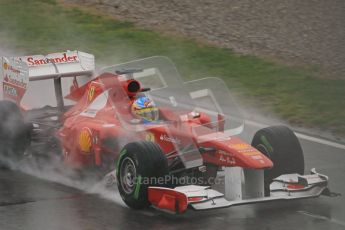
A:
166,139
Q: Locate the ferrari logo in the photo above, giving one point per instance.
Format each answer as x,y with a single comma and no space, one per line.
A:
91,93
150,137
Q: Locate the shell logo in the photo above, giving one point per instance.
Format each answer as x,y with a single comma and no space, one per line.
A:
85,140
91,93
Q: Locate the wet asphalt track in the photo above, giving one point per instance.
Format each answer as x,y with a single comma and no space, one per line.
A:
27,202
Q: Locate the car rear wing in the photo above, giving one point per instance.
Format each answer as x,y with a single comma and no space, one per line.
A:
17,72
65,64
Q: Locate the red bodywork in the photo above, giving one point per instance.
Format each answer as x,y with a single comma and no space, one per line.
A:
90,125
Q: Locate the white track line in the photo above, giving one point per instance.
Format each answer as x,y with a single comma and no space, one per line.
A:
303,136
330,219
320,141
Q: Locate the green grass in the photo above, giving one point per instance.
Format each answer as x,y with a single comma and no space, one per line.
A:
295,94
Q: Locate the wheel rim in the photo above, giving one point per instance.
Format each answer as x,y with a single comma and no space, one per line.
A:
128,175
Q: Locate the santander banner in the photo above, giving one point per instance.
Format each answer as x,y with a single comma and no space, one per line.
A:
58,58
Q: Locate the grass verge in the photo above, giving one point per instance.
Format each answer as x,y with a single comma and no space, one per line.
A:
295,94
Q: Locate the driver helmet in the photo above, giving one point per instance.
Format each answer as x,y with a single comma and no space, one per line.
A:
145,109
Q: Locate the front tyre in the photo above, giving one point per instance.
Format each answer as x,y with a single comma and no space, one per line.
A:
139,166
281,146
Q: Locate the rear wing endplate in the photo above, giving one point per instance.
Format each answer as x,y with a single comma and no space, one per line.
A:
16,72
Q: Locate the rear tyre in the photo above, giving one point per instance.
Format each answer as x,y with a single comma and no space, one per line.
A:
280,145
14,133
139,166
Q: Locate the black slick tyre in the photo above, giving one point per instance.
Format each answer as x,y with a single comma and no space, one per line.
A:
281,146
139,166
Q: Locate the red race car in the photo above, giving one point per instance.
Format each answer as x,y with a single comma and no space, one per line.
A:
166,139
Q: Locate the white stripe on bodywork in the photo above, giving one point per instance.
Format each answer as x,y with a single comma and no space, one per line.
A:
98,104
